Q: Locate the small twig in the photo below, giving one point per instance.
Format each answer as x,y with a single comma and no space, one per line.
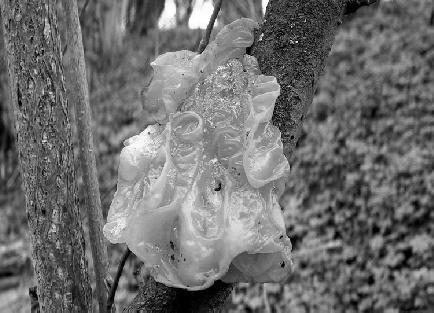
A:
111,296
353,5
83,9
205,40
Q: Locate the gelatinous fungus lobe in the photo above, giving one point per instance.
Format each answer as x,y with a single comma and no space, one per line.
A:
197,195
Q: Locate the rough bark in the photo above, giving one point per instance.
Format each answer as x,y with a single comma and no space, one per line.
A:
78,96
292,44
45,154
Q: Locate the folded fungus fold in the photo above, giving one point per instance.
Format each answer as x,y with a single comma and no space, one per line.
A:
197,195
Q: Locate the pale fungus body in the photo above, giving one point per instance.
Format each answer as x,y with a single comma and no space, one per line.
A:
197,196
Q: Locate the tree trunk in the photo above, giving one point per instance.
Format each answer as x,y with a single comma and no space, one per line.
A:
45,154
293,45
183,12
113,17
78,96
145,15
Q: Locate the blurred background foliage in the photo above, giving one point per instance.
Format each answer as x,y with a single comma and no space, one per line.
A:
359,204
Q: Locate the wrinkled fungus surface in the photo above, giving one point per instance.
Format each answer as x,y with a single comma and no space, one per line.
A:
197,196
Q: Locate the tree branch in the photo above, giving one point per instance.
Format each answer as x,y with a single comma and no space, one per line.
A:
293,45
78,96
205,40
114,287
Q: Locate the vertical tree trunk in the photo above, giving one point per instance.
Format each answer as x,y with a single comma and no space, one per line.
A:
183,12
145,15
45,154
78,94
293,45
113,18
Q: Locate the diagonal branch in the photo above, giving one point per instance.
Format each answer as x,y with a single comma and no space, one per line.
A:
114,287
295,41
205,40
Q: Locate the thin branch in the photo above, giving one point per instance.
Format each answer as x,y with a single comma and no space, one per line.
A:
82,11
111,297
205,40
353,5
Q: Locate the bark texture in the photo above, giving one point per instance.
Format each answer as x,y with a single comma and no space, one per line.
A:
78,94
292,44
45,154
7,132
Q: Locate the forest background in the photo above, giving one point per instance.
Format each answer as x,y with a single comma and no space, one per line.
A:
359,200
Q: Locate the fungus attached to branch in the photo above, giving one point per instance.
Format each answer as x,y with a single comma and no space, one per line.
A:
197,196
